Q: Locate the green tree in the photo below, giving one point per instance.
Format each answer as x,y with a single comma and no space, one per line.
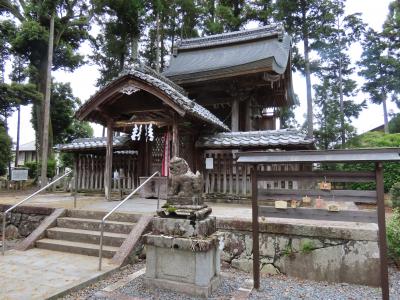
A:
381,70
31,39
226,15
334,96
5,149
121,25
308,21
62,110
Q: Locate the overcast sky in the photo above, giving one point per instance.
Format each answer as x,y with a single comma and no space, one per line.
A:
83,79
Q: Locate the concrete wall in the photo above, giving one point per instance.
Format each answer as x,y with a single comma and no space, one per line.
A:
316,250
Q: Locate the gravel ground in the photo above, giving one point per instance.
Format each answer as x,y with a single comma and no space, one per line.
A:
272,287
285,288
86,293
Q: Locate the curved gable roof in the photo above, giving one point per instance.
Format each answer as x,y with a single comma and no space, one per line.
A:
147,79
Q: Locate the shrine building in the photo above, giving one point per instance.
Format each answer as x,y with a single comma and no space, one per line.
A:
220,94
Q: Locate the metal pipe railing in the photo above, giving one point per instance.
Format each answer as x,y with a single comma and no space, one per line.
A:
22,201
114,209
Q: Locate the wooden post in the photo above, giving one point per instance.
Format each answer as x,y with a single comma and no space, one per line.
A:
18,134
109,157
235,114
256,242
175,137
382,231
249,121
76,156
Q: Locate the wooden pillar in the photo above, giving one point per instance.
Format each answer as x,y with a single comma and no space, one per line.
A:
249,121
76,159
235,114
109,157
382,231
256,242
175,136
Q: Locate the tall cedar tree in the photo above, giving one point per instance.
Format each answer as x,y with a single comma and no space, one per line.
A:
335,69
380,68
224,15
307,21
31,40
121,24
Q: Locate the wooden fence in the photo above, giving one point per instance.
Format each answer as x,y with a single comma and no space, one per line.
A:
90,171
228,177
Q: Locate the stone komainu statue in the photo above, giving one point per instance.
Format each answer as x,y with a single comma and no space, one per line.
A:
183,182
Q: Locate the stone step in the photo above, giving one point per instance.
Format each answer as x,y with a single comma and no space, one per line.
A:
93,224
85,236
116,216
76,247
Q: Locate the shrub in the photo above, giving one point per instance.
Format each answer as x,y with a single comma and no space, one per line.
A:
395,195
393,235
34,166
374,139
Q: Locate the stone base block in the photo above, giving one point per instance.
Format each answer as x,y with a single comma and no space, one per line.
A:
185,288
190,266
184,227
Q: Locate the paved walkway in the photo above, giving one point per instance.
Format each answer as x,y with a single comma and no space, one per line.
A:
41,274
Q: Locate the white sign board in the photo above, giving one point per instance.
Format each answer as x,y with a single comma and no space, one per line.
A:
19,174
209,163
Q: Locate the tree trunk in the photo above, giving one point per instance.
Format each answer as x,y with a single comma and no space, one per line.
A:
46,112
385,116
310,125
158,42
18,132
342,128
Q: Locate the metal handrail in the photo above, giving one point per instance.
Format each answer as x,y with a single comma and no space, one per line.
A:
22,201
114,209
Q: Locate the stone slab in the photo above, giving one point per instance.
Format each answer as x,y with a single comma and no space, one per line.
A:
43,274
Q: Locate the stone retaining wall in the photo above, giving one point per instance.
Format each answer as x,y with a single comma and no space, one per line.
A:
23,220
334,251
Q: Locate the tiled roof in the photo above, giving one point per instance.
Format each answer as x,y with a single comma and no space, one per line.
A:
267,138
92,143
232,37
263,48
176,93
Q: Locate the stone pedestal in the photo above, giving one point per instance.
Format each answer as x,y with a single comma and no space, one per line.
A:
183,255
182,252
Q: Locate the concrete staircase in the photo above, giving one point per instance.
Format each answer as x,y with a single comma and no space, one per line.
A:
79,232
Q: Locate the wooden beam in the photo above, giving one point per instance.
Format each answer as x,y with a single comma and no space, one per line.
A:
382,231
319,214
109,157
330,176
175,137
119,124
